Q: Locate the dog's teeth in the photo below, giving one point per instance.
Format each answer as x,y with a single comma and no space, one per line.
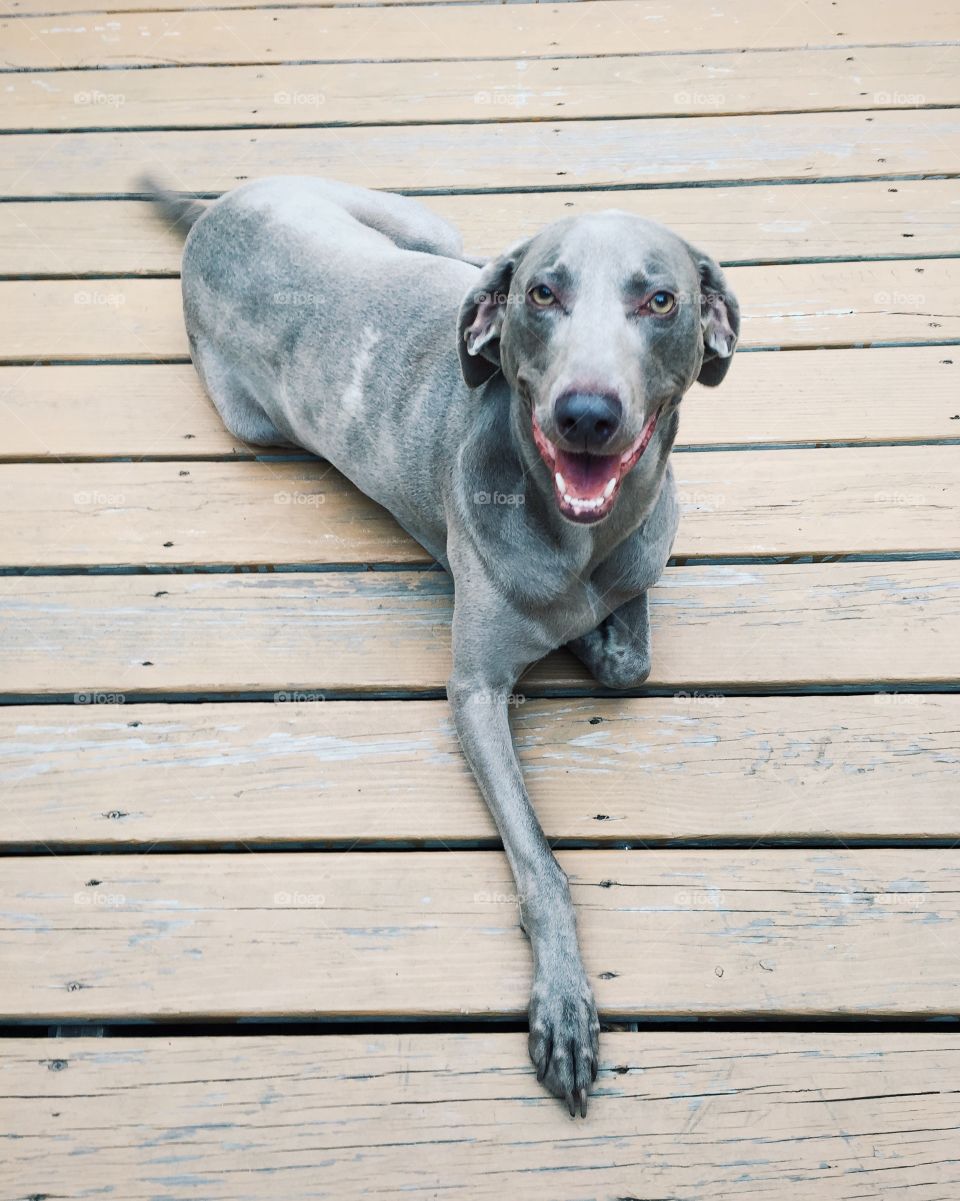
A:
561,484
582,504
608,491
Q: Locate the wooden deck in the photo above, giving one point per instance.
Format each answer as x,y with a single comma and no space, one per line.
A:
762,847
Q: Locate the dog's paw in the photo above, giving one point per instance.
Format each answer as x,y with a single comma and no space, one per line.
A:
564,1039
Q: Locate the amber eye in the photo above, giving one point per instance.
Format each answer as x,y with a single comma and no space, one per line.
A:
541,296
662,303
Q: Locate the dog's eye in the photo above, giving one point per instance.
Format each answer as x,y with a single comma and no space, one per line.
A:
541,296
662,303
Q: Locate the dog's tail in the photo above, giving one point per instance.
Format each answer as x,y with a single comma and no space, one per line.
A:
180,212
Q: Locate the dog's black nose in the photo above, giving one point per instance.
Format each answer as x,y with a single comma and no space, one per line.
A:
588,420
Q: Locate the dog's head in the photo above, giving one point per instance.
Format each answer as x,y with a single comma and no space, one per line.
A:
598,323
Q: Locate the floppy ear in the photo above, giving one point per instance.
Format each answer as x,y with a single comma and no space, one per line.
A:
719,319
481,318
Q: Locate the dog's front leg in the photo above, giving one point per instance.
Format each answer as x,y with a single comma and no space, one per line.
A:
618,652
564,1030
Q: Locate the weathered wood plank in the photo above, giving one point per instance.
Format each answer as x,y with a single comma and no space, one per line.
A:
769,626
392,1115
797,305
92,411
457,32
605,770
739,225
827,502
532,154
711,933
542,89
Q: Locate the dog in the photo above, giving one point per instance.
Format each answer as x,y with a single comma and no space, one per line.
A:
351,323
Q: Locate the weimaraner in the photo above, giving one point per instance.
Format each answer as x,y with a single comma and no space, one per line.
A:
516,419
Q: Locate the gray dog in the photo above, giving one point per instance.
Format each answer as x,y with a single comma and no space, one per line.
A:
516,420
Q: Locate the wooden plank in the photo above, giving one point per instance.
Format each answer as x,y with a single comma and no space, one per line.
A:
707,1115
772,626
650,770
543,89
30,8
457,32
810,502
723,933
503,156
739,225
790,306
93,411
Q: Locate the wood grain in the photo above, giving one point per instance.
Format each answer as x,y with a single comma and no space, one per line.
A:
708,1116
794,306
457,32
610,771
759,627
739,225
772,932
827,502
538,89
899,394
504,156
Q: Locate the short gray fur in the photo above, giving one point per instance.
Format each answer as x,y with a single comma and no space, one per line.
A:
350,323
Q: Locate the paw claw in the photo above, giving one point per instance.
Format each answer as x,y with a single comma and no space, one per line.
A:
563,1042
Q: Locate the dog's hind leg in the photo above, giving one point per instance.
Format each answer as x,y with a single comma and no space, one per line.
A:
234,399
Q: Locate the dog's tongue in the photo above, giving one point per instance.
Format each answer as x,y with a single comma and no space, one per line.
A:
586,476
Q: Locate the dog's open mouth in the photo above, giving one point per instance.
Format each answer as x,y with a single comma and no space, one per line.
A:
586,485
